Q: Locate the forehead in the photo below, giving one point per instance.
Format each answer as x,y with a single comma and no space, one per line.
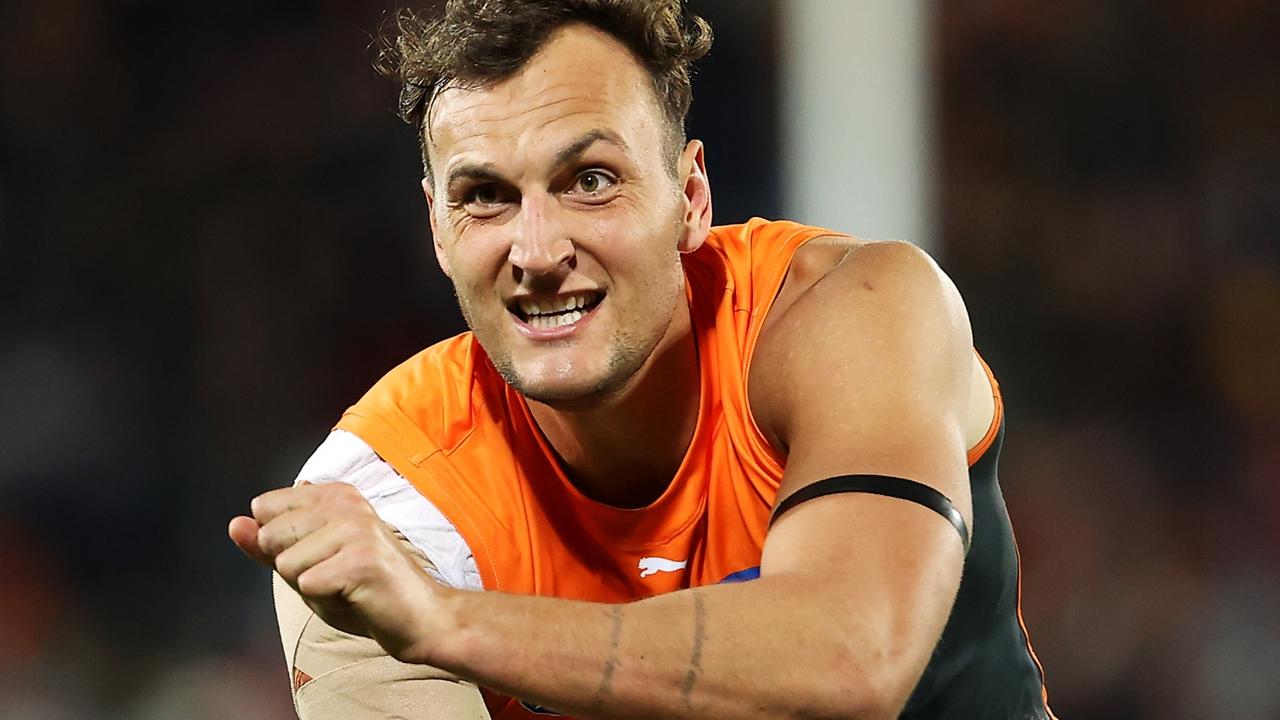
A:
582,78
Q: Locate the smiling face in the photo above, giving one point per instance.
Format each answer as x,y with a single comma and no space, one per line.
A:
559,211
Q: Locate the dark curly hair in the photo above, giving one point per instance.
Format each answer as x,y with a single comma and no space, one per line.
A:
474,43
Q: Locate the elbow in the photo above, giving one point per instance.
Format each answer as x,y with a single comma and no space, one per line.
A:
870,690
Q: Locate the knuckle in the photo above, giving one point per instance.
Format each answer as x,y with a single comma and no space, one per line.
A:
267,539
308,584
347,493
288,568
358,527
364,571
348,529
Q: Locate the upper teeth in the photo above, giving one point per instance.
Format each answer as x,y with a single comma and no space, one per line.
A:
564,303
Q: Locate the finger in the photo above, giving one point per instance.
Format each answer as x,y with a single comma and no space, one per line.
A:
270,505
287,529
310,551
332,576
243,531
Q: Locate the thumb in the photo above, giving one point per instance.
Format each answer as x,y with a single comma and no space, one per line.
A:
243,531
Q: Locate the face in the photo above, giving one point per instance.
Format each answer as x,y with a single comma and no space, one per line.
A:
558,216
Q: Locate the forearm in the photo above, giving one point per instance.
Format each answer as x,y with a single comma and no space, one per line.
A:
762,649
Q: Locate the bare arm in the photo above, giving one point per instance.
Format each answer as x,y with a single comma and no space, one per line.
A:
868,373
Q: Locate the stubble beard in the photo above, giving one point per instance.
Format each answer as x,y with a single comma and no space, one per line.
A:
627,355
627,351
625,360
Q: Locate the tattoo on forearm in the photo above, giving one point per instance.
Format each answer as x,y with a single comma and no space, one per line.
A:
615,640
695,662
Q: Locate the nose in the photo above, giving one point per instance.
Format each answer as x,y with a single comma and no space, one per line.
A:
542,245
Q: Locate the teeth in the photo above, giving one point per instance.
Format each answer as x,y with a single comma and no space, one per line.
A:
547,322
534,308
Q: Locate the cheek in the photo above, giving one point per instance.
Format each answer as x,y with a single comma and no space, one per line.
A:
472,291
473,263
653,284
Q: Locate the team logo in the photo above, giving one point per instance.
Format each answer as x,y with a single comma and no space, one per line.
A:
654,565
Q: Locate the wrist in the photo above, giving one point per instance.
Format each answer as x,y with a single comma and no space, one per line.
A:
437,628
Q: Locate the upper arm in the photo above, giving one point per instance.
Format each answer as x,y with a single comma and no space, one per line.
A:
334,674
869,372
871,366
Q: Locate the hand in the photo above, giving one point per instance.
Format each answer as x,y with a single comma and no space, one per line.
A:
329,545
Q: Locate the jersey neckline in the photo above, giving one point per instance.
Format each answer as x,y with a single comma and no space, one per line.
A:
680,503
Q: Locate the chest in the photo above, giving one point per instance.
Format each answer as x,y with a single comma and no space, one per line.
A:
707,527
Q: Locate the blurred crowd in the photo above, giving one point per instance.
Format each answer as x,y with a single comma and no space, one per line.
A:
212,240
1110,213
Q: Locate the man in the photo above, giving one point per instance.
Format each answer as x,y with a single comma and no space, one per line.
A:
698,472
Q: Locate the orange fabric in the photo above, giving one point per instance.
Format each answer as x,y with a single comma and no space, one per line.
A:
997,417
447,422
299,679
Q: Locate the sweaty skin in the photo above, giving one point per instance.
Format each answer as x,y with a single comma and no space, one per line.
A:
865,368
514,216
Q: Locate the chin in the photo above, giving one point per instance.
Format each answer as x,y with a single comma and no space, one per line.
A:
574,377
568,394
581,388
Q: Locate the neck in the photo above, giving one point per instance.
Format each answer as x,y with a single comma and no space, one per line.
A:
625,450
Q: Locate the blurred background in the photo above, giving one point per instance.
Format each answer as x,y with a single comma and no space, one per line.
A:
212,240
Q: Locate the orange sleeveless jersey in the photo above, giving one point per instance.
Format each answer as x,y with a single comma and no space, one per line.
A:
448,422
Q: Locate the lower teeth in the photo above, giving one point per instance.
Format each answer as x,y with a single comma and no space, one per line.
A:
547,322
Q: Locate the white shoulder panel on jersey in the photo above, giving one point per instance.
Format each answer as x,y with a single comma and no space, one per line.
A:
344,457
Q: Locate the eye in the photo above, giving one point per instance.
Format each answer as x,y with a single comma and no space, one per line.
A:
593,182
486,194
485,200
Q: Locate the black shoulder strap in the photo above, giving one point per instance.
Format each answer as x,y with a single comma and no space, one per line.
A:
900,488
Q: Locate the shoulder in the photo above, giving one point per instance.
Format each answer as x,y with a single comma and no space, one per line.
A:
344,457
860,314
762,240
433,400
438,368
898,266
854,281
766,262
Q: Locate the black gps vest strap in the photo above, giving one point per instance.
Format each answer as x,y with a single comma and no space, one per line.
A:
900,488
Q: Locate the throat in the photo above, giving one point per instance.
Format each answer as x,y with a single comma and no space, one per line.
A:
627,460
626,452
626,488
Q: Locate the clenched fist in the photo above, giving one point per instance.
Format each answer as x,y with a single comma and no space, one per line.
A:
327,542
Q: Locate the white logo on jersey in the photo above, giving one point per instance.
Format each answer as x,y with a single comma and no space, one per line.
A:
653,565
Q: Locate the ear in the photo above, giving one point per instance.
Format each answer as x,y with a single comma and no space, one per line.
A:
441,258
697,197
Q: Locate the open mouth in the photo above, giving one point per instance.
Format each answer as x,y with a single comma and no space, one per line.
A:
547,313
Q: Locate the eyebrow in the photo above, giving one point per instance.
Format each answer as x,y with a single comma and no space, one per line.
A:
487,172
473,171
576,149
